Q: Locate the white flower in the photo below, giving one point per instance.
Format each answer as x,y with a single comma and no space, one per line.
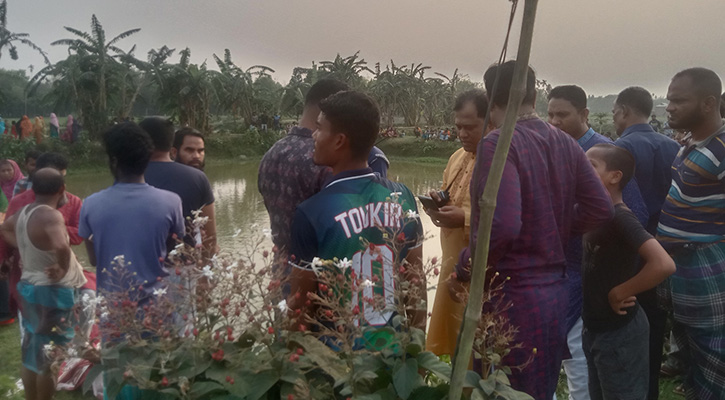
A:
86,298
179,246
159,292
317,262
72,352
412,214
207,272
119,259
48,348
237,232
267,233
104,314
344,264
282,305
173,253
395,195
367,283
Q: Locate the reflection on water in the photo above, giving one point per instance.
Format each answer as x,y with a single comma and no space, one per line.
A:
239,205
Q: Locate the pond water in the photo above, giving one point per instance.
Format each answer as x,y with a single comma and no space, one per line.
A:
239,205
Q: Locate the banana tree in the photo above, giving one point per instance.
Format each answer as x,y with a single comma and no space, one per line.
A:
9,39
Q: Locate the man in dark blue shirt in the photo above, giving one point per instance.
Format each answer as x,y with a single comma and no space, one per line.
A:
189,183
654,154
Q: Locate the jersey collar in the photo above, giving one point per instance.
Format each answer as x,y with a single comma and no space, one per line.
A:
351,174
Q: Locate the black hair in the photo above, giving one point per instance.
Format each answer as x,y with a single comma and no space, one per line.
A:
32,153
571,93
130,146
617,159
182,133
477,97
704,81
47,181
722,105
161,131
357,116
52,160
323,89
636,98
501,97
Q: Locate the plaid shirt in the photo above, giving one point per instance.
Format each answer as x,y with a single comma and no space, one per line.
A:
287,177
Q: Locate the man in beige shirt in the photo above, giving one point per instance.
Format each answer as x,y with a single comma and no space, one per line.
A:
453,217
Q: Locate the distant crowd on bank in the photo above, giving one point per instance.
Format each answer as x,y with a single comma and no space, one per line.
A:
38,130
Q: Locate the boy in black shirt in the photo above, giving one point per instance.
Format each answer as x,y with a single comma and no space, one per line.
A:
616,331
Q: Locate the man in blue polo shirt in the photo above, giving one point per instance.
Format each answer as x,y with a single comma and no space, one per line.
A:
354,206
131,219
653,153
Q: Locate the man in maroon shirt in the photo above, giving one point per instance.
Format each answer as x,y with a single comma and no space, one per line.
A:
70,208
548,192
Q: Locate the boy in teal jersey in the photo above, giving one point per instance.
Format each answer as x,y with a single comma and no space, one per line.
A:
356,206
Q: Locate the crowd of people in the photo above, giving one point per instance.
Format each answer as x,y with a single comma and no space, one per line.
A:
597,243
37,130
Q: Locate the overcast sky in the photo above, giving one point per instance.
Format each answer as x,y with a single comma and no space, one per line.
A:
601,45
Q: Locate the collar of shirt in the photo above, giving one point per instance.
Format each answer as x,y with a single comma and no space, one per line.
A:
637,128
588,135
707,141
351,174
301,131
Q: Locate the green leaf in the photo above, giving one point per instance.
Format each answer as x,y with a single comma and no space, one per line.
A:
413,349
322,356
430,393
261,382
406,378
200,389
488,385
478,394
471,380
93,373
432,363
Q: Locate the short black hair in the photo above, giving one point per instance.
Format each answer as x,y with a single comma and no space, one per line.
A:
571,93
32,153
704,81
357,116
501,97
52,160
477,97
130,146
182,133
722,105
617,159
161,131
636,98
47,181
323,89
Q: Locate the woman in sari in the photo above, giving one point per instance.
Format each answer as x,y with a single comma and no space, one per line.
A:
10,174
68,134
39,129
26,127
54,126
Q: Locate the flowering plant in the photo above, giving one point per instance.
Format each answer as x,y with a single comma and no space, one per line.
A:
221,329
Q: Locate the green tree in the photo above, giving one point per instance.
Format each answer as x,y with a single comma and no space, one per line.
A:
347,69
236,88
9,39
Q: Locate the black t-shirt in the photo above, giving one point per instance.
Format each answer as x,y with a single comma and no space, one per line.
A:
610,258
189,183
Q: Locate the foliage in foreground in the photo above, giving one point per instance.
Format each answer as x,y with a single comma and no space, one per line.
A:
221,330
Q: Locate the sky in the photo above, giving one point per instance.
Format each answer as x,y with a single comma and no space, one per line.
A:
601,45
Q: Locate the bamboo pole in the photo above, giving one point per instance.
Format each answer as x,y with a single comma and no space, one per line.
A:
488,205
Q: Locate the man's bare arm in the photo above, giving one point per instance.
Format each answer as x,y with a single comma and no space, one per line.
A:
7,231
57,236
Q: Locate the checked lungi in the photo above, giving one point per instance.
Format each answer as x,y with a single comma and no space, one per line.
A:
698,301
47,317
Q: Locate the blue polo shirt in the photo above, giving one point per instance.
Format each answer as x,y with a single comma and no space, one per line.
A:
654,154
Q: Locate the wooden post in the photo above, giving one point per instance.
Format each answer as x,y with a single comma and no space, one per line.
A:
488,205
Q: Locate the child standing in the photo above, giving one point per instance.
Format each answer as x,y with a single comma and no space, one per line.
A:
616,331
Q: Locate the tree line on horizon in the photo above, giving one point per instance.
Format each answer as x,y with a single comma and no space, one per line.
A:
100,82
